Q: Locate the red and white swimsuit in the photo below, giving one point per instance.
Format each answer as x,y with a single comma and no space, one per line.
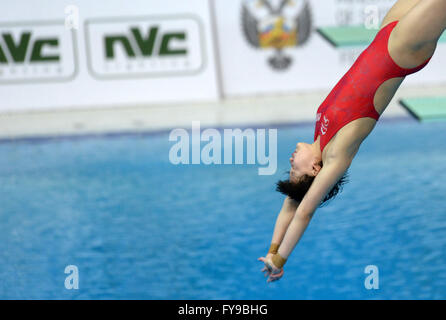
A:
352,97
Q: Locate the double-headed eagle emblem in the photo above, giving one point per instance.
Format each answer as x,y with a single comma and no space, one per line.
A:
277,24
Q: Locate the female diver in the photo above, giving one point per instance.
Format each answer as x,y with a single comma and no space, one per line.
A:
404,44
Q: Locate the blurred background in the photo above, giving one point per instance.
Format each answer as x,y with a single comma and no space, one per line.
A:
89,93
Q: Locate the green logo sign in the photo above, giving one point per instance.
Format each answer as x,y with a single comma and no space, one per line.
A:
145,46
37,51
18,50
145,43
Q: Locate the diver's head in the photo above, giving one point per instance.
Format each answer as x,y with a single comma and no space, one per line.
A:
306,163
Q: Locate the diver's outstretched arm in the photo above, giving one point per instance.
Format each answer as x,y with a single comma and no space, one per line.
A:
282,222
329,175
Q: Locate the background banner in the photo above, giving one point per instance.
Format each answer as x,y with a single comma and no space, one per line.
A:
103,53
277,46
83,54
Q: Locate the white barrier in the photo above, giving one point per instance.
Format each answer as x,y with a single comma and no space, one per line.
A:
83,53
273,46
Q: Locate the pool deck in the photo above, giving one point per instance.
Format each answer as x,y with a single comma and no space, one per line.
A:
266,111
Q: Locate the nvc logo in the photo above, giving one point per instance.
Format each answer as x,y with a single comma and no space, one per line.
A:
147,46
36,51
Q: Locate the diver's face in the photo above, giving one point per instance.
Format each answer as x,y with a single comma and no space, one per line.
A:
301,161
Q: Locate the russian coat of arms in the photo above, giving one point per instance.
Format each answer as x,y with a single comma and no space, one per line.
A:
277,24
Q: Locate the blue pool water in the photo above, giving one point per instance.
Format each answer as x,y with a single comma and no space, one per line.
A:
138,227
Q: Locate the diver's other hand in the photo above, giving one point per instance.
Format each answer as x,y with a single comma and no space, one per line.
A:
270,269
265,269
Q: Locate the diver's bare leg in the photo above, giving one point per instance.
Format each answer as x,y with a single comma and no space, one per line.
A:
415,37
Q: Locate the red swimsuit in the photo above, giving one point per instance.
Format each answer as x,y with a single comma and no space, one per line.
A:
352,97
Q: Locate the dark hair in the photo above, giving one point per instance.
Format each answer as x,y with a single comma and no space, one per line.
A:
297,190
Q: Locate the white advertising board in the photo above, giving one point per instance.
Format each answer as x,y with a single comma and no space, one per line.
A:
274,46
80,53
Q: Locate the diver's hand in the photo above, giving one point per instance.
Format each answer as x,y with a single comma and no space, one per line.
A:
265,270
271,271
